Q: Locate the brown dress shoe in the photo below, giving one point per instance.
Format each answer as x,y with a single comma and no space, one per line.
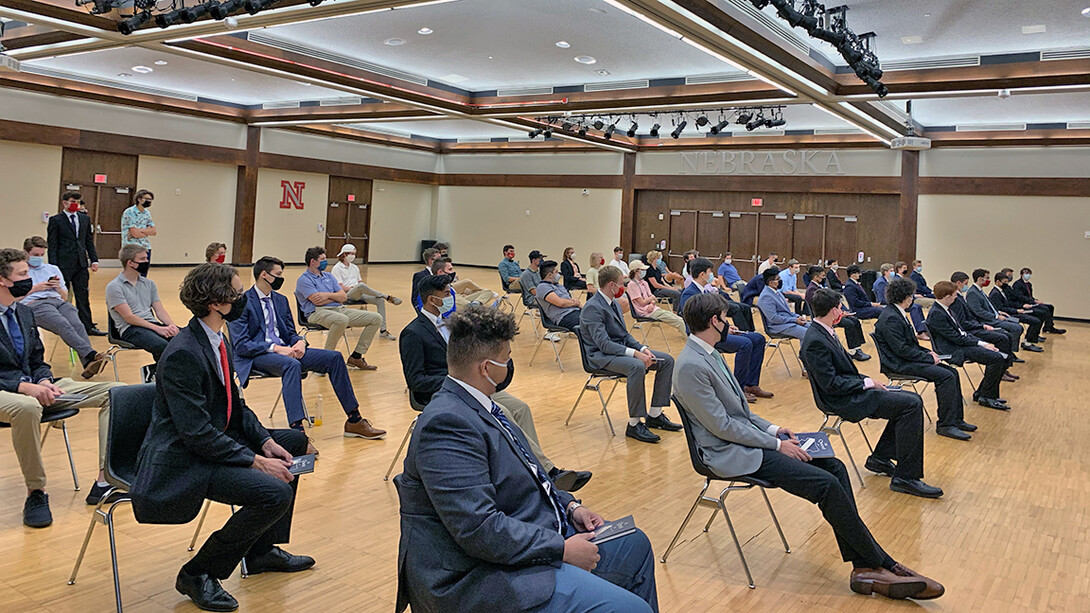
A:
757,391
312,449
923,336
885,583
362,429
934,588
1009,378
95,366
360,363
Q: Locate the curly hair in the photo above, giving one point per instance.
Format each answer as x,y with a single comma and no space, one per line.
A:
476,334
899,290
207,284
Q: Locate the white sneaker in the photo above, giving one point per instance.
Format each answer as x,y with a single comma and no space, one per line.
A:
385,334
554,337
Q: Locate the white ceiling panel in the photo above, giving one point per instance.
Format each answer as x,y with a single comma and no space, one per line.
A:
1020,108
442,129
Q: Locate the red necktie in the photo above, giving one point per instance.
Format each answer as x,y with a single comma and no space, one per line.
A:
226,378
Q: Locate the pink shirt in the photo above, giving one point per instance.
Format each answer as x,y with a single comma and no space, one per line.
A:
640,289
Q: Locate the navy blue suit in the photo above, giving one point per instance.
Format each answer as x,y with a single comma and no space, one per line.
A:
479,533
858,301
252,353
753,288
915,312
748,347
921,285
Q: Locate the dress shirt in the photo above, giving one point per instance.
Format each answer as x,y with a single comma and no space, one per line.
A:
729,273
772,428
621,265
132,218
73,220
42,274
310,283
788,282
868,383
270,317
440,325
214,339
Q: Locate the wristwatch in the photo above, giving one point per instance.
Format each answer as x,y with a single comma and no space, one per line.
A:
572,507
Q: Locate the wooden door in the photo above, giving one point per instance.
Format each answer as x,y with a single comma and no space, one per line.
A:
743,243
682,238
111,203
841,240
336,228
774,234
712,234
348,218
104,203
808,239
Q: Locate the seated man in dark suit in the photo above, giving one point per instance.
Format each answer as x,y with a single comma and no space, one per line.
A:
901,354
832,277
753,289
1023,292
960,311
483,527
856,296
983,310
204,442
423,348
855,397
887,273
734,442
429,256
610,347
998,298
265,340
853,329
916,275
950,337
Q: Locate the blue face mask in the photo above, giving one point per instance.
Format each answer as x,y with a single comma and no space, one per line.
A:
323,264
36,261
963,289
919,269
1026,277
448,305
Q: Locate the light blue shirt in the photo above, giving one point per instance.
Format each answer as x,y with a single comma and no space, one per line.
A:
133,217
269,316
788,282
42,274
310,283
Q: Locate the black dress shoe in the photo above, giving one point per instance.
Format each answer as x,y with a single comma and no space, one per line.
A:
1018,360
976,397
570,480
276,560
992,403
205,592
1032,347
953,432
98,491
95,332
915,487
641,433
36,510
859,356
965,426
662,423
1056,331
880,467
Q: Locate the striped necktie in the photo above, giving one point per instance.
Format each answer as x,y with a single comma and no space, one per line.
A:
542,478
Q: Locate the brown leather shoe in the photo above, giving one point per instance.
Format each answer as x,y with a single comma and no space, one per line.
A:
95,366
362,429
885,583
360,363
923,336
750,397
1009,378
312,449
934,588
757,391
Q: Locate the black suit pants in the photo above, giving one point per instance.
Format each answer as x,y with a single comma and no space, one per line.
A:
825,483
902,440
1001,340
1033,335
740,314
79,280
264,519
853,331
994,367
947,391
1045,312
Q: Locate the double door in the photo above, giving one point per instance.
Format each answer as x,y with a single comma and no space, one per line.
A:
348,216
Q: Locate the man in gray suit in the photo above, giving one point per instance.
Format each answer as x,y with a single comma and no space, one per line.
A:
610,347
734,442
985,311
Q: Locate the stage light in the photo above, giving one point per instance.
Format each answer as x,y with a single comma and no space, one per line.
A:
759,4
165,20
701,121
547,133
775,123
717,128
582,130
655,131
598,124
566,126
193,13
744,118
678,130
133,23
222,9
535,132
254,7
632,130
609,131
756,123
878,87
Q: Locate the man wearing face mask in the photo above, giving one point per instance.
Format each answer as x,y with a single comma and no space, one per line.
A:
729,276
553,298
922,290
423,348
215,252
779,318
71,244
204,442
983,310
51,311
136,223
321,301
27,388
466,290
953,338
1022,290
888,272
857,298
265,340
610,347
483,527
1014,310
348,276
1002,339
510,271
832,277
135,308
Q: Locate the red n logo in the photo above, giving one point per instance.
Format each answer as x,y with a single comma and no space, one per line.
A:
293,194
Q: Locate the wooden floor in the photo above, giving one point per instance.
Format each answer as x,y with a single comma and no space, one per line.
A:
1011,534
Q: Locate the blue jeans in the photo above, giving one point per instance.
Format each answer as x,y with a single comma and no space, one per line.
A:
623,581
749,354
290,372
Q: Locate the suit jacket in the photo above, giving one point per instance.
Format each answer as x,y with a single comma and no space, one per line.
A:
32,363
833,281
68,251
980,306
778,314
729,436
921,285
1002,302
423,358
858,301
568,272
189,434
948,335
417,277
603,330
753,288
248,332
1023,291
834,377
965,316
898,349
879,289
478,532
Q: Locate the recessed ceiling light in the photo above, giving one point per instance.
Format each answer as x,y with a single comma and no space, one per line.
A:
160,62
927,14
143,69
563,44
911,40
424,31
1038,29
394,42
603,72
490,57
1086,12
453,78
585,59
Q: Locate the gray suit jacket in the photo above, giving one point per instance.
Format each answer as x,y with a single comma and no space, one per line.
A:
602,327
980,306
729,436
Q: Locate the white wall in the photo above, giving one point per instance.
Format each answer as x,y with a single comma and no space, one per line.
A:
340,150
402,214
31,180
478,221
287,233
851,162
1008,162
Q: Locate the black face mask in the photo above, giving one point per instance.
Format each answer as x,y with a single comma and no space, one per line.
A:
277,283
147,204
21,288
510,375
143,267
238,307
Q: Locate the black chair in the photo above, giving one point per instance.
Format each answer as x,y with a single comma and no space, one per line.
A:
899,378
550,328
836,428
308,327
57,418
529,307
653,323
774,341
116,344
594,382
720,503
416,406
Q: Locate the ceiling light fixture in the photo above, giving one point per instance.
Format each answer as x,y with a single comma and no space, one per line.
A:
585,59
598,124
563,44
1086,12
548,133
582,130
719,127
143,69
130,25
679,129
632,130
608,134
221,10
424,31
160,62
394,42
655,131
535,132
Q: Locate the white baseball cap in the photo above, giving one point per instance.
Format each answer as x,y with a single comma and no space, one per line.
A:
348,248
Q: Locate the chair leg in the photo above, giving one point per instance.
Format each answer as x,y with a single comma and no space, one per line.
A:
113,555
734,536
113,360
696,504
580,397
404,441
200,524
775,520
605,411
71,462
559,350
850,458
540,340
664,340
783,358
83,549
865,438
243,568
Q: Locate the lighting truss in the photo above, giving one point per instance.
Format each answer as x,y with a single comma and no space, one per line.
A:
711,121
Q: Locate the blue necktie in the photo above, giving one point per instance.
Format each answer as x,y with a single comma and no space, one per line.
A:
14,332
541,476
270,320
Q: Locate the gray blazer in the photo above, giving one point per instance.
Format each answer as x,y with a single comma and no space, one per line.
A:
981,307
602,327
722,424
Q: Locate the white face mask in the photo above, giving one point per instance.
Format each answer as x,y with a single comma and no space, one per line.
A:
727,261
348,259
641,274
489,377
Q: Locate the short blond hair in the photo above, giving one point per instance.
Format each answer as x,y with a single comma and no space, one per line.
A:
653,255
886,267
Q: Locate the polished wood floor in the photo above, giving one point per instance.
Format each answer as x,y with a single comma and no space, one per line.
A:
1011,534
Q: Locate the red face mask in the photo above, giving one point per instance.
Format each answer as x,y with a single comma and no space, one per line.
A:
986,283
839,316
602,262
619,292
73,207
221,258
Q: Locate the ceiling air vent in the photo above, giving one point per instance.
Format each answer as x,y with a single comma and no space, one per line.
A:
615,85
771,23
728,77
272,41
934,62
284,104
992,127
125,85
342,101
1080,53
525,91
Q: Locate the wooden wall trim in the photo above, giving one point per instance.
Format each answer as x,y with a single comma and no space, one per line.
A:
910,192
628,203
1006,186
761,183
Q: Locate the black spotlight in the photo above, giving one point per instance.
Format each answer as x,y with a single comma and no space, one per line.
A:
165,20
756,123
609,131
878,87
582,130
744,118
655,130
632,130
701,121
598,124
223,9
314,2
775,123
548,133
535,132
193,13
759,4
677,131
566,126
133,23
254,7
719,127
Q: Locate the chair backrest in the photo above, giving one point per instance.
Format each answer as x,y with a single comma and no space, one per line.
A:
414,403
814,389
883,352
769,333
130,418
583,351
632,311
690,439
113,336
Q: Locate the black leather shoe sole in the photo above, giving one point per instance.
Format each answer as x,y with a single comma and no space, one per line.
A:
954,433
879,468
1033,348
662,424
905,487
296,564
572,480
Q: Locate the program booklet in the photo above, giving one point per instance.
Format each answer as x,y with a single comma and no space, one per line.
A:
614,529
815,443
301,465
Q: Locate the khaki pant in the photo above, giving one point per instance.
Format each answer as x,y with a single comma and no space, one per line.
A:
337,318
363,292
925,303
519,412
25,416
669,318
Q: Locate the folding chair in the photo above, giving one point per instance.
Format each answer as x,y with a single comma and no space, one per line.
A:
58,418
836,429
116,344
720,503
551,328
774,341
594,382
416,406
652,323
308,327
900,378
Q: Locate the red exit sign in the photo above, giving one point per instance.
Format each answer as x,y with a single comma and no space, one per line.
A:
351,197
100,178
757,201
